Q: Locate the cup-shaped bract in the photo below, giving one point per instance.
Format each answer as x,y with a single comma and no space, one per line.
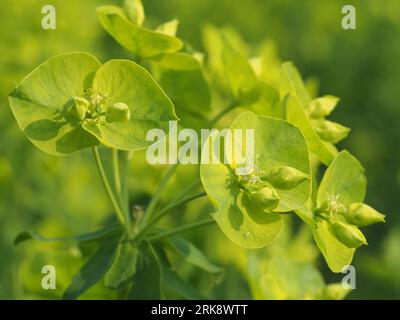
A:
62,106
40,103
276,143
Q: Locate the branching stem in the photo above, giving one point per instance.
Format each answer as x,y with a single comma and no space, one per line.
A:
185,228
117,209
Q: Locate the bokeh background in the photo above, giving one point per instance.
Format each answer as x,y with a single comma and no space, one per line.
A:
63,196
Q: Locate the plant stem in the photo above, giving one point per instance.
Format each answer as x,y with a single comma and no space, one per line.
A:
124,184
185,228
118,189
187,190
165,211
100,168
154,200
223,112
117,177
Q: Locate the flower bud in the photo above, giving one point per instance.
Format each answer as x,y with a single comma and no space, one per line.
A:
360,214
78,108
323,106
331,131
118,112
286,177
348,234
265,198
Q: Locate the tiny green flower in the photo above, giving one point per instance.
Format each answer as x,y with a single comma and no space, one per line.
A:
266,198
78,108
286,177
330,131
322,107
118,112
360,214
348,234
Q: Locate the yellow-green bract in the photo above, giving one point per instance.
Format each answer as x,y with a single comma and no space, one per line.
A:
42,104
277,143
342,186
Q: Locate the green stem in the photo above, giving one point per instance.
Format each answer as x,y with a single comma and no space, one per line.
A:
125,155
185,228
154,200
187,190
165,211
223,112
122,198
117,177
100,168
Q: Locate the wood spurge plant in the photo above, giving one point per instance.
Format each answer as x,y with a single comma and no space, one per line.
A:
73,102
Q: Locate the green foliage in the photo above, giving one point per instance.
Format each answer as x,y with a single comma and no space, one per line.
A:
297,102
72,102
191,254
140,41
342,187
94,269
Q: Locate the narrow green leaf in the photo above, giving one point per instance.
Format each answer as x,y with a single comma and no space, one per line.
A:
146,283
296,115
171,280
94,269
124,265
193,255
95,235
298,102
291,82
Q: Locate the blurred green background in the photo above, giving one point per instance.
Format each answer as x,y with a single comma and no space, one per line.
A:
63,196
